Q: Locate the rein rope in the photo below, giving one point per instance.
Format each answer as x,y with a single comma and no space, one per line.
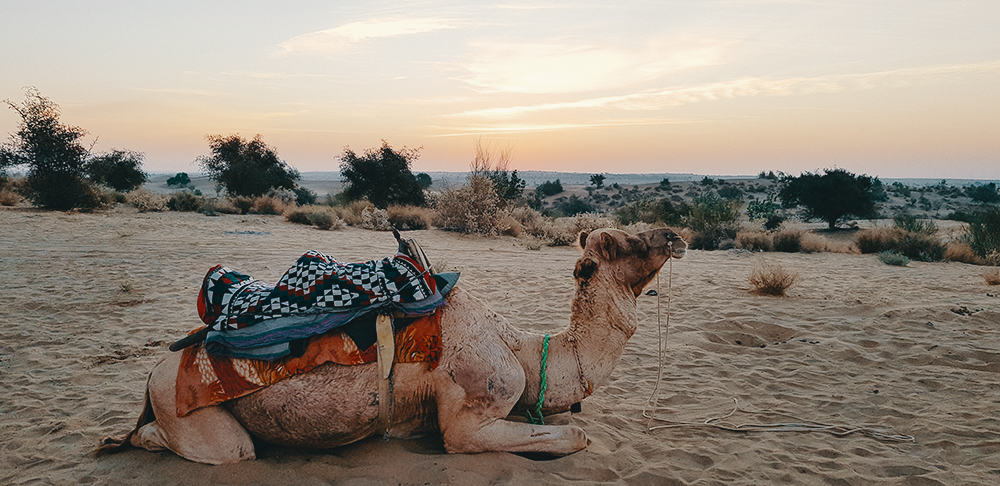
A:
537,418
800,425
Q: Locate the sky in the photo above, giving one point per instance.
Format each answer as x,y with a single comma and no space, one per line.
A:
889,88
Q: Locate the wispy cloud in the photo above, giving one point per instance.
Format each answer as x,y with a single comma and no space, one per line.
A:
565,66
458,131
343,36
745,87
182,91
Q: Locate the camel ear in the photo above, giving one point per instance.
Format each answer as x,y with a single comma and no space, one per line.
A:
583,238
585,267
609,246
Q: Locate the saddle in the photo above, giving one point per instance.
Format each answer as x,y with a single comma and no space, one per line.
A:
316,294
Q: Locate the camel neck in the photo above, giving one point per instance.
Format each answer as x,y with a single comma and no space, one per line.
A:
582,357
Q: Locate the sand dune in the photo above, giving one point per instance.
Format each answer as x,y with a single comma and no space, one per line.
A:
90,302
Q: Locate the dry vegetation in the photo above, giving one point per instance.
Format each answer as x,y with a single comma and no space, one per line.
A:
771,279
992,277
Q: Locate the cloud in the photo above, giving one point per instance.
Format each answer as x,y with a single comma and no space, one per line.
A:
341,37
745,87
572,67
544,127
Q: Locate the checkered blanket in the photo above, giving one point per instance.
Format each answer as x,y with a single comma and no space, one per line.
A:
316,284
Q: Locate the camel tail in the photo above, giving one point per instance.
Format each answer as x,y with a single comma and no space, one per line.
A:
111,445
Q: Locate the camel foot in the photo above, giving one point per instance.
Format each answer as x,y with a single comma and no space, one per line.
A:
505,436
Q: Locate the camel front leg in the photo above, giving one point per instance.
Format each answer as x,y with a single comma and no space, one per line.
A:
507,436
474,396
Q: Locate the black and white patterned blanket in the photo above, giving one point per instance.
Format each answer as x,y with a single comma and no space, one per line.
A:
315,284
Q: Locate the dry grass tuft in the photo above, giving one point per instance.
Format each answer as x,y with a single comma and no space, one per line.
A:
754,241
9,198
268,205
375,219
146,201
771,279
992,277
407,218
788,241
510,226
474,208
877,240
961,252
325,219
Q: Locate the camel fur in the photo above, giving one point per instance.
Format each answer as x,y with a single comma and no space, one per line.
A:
488,370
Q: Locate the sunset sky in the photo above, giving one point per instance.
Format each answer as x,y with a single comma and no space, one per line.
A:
891,88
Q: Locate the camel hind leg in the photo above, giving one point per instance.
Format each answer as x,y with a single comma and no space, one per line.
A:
208,435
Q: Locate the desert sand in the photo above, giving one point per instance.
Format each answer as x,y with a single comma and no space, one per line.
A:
91,301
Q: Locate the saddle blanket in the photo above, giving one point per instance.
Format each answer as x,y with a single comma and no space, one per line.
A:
316,284
205,379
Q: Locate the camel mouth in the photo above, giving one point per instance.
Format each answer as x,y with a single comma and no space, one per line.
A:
678,253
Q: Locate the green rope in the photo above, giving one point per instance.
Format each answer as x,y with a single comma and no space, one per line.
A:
542,387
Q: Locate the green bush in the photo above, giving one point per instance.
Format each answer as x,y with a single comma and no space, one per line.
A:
912,224
893,258
921,247
984,233
242,203
713,219
120,170
549,188
381,175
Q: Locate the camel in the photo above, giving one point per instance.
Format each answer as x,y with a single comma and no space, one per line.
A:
488,370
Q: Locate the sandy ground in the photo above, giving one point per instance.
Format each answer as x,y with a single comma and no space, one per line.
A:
90,302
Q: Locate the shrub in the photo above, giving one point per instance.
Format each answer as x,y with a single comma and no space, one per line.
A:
510,226
893,258
184,201
771,279
304,196
325,220
653,211
573,206
268,205
920,247
753,241
549,188
228,206
985,193
351,213
242,203
787,241
408,218
381,175
877,240
713,219
984,232
146,201
912,224
299,215
246,167
9,198
375,219
530,220
474,208
992,277
180,179
494,166
120,170
961,252
832,196
766,210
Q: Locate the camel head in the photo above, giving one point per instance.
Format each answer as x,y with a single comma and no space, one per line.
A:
632,260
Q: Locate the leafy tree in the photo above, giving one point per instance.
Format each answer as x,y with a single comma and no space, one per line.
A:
574,205
549,188
246,167
665,183
424,180
120,170
508,185
55,158
985,193
382,175
181,179
597,180
832,196
713,219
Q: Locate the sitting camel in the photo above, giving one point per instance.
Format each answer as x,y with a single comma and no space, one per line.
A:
487,369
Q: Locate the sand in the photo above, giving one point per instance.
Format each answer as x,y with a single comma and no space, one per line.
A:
90,302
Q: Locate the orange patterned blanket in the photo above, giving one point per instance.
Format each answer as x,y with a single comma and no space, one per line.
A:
204,379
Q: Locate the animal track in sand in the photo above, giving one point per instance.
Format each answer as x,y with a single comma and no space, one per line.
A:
750,334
